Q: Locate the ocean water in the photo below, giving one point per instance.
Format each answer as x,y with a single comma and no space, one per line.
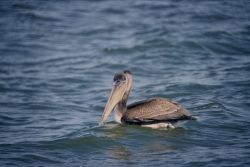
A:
58,58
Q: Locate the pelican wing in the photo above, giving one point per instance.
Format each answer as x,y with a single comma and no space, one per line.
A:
154,110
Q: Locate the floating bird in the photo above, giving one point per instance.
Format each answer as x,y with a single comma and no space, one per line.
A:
154,112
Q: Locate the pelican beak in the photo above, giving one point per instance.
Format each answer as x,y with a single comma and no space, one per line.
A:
116,95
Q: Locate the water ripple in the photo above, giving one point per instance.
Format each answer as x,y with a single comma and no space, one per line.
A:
57,63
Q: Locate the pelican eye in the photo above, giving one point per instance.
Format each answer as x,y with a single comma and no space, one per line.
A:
118,82
119,77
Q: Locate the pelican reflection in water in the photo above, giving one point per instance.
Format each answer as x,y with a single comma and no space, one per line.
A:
154,112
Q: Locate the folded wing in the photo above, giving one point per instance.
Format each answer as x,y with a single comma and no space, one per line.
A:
153,111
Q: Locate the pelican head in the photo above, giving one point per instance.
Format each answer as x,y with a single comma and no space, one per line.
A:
122,84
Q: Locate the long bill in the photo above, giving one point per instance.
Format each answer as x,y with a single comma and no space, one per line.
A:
115,97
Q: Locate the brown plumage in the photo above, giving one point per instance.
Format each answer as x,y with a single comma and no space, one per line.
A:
151,111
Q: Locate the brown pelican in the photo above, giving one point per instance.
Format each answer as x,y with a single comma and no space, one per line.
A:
154,113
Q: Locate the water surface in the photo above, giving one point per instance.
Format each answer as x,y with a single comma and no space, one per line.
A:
57,63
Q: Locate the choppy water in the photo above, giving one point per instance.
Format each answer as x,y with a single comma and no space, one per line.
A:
57,60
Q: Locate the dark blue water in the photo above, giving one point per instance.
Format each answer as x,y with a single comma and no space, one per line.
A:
57,60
